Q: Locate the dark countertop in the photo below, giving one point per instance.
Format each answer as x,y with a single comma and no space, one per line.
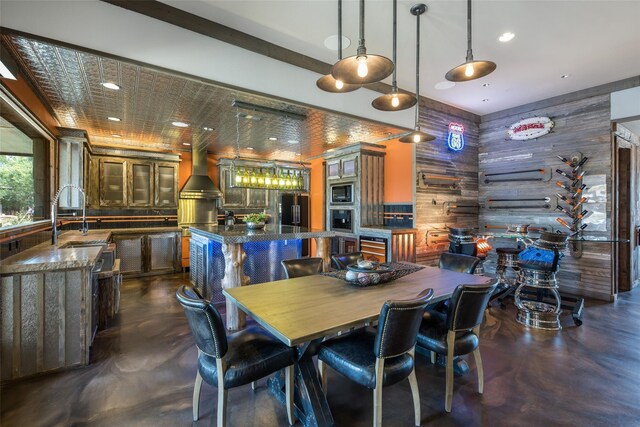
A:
241,234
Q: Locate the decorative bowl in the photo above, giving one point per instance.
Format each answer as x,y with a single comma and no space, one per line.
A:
367,265
380,273
255,225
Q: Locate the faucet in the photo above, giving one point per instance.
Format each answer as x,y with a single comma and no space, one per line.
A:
54,214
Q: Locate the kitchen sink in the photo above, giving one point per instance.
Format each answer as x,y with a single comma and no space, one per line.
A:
74,245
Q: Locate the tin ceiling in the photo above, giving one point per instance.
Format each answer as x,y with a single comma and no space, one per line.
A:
150,100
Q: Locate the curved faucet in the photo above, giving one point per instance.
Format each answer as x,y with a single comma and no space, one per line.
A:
54,213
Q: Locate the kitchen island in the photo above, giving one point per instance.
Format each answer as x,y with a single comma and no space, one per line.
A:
224,257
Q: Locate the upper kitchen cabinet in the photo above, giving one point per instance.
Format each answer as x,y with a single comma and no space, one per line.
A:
72,170
342,167
141,184
113,182
166,183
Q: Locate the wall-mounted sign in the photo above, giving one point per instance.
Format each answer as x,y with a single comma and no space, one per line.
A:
530,128
455,139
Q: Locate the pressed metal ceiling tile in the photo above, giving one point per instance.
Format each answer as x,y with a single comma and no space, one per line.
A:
150,100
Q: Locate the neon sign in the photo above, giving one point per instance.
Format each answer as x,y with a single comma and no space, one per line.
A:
455,139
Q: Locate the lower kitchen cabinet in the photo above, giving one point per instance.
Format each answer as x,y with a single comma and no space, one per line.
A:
143,254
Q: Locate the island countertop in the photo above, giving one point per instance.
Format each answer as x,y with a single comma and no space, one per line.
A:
242,234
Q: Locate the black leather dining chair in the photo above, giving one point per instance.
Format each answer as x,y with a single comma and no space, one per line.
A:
341,261
228,362
382,358
458,262
300,267
456,332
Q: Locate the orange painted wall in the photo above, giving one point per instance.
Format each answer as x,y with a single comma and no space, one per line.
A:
398,173
21,90
316,196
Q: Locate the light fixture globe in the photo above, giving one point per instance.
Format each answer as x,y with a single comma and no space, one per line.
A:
416,137
329,84
471,69
386,102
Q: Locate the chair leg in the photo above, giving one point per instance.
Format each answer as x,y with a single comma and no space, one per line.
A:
289,377
253,385
196,396
377,394
322,371
415,393
476,355
222,393
434,357
451,339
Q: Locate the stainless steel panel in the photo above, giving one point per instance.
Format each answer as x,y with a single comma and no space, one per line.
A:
197,211
6,327
29,318
162,250
74,327
53,317
130,253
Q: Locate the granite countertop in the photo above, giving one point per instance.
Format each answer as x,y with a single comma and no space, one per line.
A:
241,234
136,230
46,257
386,229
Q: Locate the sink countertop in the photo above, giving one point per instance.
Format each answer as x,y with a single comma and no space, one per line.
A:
46,257
242,234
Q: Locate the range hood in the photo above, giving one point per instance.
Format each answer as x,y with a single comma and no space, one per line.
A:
199,185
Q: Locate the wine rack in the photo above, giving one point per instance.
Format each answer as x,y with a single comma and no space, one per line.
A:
571,203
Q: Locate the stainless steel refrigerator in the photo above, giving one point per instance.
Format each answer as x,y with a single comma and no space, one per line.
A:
294,210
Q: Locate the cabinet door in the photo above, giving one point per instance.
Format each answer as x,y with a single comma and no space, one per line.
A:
349,167
257,198
161,250
166,185
113,182
333,169
129,251
231,197
71,171
140,184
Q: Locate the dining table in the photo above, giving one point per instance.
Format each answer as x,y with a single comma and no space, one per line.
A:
303,311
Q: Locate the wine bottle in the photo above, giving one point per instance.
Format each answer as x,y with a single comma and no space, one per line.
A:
566,224
563,173
566,161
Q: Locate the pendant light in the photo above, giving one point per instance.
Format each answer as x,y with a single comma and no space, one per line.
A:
362,68
417,135
394,101
471,69
328,83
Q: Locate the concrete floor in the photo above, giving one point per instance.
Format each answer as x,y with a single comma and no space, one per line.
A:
143,370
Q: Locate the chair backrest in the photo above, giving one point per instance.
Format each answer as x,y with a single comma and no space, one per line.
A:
340,261
458,262
300,267
205,322
465,248
398,325
467,306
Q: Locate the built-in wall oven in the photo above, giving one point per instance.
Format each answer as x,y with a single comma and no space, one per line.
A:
341,194
341,220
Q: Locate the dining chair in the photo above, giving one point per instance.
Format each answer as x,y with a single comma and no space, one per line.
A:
228,362
341,261
458,262
300,267
456,332
381,358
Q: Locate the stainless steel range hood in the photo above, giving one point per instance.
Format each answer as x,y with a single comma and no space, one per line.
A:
199,185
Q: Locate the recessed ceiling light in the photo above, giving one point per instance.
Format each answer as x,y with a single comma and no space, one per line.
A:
113,119
180,124
207,128
249,148
115,135
485,100
486,84
506,37
444,85
273,138
564,76
331,42
110,85
292,141
186,143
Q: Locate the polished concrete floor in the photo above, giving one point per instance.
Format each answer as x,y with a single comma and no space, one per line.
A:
143,369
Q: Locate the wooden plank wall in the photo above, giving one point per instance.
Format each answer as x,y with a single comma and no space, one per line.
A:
436,159
582,124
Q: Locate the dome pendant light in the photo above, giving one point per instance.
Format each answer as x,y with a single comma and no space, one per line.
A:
328,83
394,101
417,135
362,68
471,69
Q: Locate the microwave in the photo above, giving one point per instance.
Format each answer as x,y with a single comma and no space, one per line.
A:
341,220
342,194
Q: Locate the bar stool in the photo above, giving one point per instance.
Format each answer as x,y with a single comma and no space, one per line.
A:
507,274
540,278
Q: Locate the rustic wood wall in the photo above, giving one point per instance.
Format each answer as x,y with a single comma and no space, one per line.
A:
434,158
582,124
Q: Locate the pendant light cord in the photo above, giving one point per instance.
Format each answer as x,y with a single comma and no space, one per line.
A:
237,133
361,49
418,72
339,30
469,50
394,83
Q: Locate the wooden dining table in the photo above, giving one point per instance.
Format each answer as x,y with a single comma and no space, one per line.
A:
301,312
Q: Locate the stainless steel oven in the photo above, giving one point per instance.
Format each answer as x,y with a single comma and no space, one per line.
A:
341,220
341,194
